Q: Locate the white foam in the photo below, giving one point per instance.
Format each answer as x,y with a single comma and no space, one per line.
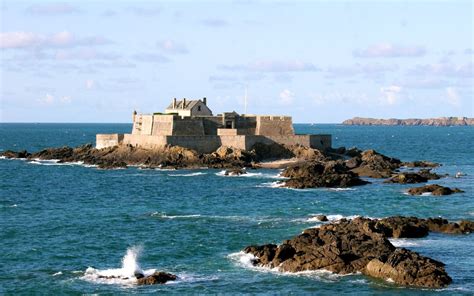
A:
120,276
3,157
275,184
58,273
165,216
403,242
187,175
245,260
341,189
252,175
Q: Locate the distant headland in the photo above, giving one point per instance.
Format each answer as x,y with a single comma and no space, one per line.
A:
440,121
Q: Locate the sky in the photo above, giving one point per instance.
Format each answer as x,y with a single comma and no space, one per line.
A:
318,61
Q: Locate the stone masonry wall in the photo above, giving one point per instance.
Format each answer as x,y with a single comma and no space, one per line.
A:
108,140
274,126
162,125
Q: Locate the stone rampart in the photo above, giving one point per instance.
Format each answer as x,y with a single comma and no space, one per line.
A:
274,126
108,140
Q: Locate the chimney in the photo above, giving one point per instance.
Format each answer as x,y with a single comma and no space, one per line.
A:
204,100
174,103
184,103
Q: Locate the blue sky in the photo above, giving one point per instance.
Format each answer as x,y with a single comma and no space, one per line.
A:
318,61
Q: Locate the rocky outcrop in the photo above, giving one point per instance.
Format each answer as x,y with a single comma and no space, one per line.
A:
320,174
413,177
434,189
441,121
14,154
362,245
421,164
235,172
372,164
158,277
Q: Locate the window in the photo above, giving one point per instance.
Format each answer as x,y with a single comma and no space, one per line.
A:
199,108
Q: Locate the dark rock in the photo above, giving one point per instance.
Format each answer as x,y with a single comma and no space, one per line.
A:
319,174
375,165
421,164
13,154
361,245
407,178
434,189
321,218
235,172
158,277
408,268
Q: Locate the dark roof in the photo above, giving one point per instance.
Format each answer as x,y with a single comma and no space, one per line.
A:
179,104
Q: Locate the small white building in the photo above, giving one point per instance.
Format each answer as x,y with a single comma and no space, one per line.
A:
186,107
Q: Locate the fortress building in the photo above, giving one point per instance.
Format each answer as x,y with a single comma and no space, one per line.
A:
191,124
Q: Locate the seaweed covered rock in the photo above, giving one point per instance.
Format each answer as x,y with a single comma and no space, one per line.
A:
321,174
348,246
434,189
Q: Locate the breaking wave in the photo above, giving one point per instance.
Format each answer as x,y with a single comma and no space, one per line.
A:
252,175
187,175
403,242
245,260
119,276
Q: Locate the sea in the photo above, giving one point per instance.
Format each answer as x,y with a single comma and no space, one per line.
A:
65,227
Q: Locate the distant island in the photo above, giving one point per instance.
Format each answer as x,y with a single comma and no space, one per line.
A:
440,121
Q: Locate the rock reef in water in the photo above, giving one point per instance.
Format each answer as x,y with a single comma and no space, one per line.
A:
362,245
441,121
434,189
413,177
318,174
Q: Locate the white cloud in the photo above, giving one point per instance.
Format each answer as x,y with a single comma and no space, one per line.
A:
52,9
444,69
286,97
150,57
359,69
452,96
90,84
171,47
47,99
214,22
84,54
145,11
61,39
384,50
66,99
273,66
390,94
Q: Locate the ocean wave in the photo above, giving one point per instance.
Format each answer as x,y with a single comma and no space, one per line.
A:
252,175
341,189
124,276
188,174
245,260
57,162
403,242
258,220
58,273
275,184
165,216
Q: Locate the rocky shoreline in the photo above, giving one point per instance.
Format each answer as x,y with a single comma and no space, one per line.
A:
362,245
441,121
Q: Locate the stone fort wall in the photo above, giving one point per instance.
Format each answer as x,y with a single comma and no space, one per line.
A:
207,144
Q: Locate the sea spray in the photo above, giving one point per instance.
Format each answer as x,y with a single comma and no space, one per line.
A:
126,275
130,264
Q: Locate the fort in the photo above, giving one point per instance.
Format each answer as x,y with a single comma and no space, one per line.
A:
191,124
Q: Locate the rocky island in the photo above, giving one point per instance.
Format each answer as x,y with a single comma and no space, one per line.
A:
362,245
440,121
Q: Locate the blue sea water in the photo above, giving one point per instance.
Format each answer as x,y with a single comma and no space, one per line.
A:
58,220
